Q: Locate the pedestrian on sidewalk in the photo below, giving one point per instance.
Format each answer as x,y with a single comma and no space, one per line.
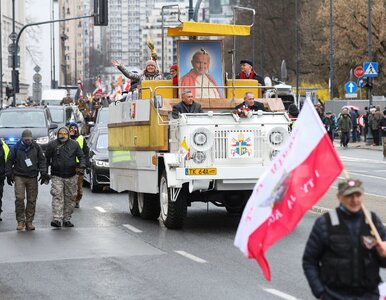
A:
342,259
4,152
62,155
345,127
329,124
26,160
382,127
376,118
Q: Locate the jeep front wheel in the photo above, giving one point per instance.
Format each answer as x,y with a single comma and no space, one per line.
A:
173,214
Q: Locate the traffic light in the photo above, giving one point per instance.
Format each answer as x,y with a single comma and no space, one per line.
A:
101,13
8,91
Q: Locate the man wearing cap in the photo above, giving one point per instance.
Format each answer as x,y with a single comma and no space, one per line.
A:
26,160
247,72
329,124
62,155
342,258
66,100
187,105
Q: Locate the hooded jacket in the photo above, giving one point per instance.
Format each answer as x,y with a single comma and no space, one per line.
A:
62,156
81,141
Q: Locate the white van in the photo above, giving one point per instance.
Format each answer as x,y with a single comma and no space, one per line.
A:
53,97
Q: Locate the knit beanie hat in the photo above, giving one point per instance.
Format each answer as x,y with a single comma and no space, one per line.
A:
26,133
151,63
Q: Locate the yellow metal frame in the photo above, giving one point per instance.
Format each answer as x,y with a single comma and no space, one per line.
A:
207,29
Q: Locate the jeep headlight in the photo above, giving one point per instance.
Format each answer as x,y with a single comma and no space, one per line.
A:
277,136
202,139
198,157
43,140
101,163
273,154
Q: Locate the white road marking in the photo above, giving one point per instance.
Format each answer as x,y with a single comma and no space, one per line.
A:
100,209
349,158
365,175
280,294
191,256
132,228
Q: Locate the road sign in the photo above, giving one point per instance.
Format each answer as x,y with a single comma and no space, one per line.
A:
37,77
359,71
11,47
353,95
13,36
361,82
371,69
350,87
10,57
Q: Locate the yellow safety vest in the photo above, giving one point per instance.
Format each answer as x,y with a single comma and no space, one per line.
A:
80,140
6,151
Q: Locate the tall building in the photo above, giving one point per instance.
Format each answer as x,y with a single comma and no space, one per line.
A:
6,30
74,38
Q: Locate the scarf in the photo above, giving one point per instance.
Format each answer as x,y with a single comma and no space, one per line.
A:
244,76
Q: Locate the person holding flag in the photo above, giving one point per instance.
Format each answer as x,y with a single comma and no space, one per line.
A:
297,178
342,258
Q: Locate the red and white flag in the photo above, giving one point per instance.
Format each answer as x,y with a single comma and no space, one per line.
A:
98,89
80,88
296,179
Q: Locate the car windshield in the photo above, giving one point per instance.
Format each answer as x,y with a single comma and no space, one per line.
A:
103,116
20,119
102,142
57,115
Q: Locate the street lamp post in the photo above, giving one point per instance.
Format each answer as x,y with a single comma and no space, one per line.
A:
369,136
331,83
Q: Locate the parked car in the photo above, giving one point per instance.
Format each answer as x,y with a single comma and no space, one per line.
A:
14,120
98,172
65,114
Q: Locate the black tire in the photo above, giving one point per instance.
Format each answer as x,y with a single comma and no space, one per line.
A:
94,186
148,206
235,201
133,203
173,214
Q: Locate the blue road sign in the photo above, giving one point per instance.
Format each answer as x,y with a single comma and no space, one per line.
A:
361,82
350,87
371,69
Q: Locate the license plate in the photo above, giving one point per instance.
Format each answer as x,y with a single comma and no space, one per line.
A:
200,171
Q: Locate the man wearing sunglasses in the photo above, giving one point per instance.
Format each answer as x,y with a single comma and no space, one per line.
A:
63,155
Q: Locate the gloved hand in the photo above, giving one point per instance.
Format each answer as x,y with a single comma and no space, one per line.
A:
80,171
10,179
44,178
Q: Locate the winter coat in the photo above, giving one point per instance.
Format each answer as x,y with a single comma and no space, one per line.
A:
139,77
345,124
183,108
21,155
62,157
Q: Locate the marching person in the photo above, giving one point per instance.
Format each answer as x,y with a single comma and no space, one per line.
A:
62,155
187,105
4,152
249,102
329,124
26,160
74,134
342,259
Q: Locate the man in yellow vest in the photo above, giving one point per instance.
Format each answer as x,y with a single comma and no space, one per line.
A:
4,151
74,134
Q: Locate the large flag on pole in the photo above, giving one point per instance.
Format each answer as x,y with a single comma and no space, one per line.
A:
296,179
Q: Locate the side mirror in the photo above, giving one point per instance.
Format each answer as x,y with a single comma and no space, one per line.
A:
53,126
158,101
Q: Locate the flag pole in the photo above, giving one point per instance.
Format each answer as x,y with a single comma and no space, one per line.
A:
367,214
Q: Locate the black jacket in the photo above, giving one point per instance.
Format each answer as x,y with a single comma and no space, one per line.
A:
322,248
255,107
183,108
382,124
17,160
62,158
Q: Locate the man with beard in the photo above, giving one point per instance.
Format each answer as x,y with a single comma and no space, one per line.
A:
62,155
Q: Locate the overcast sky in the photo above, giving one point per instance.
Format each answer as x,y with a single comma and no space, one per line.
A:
39,11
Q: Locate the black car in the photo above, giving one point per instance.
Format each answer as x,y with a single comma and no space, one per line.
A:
65,114
14,120
98,173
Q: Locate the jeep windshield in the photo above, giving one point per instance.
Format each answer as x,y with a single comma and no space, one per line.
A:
57,115
22,119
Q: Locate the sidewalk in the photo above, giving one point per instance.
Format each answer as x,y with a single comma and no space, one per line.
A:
360,144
